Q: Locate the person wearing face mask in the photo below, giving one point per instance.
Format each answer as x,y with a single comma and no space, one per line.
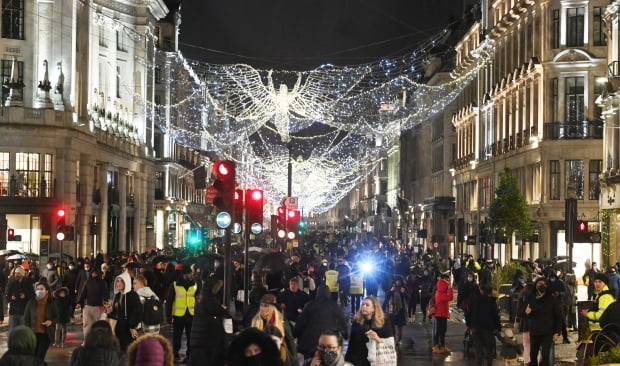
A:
467,289
557,288
83,276
420,290
69,280
93,296
19,292
41,315
51,274
329,351
545,320
253,347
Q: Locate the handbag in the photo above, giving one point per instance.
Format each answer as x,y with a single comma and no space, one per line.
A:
382,354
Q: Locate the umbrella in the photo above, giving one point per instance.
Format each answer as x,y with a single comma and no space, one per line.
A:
160,258
272,263
133,265
8,252
17,256
255,249
64,256
205,261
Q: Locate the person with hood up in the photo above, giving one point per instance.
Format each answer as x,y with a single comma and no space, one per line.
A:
21,344
93,295
208,338
253,347
545,320
150,350
41,315
65,310
126,309
318,315
144,292
100,348
443,295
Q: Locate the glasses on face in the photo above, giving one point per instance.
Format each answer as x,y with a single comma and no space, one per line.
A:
322,347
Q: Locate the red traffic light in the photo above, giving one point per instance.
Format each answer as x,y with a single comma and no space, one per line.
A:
257,195
582,226
224,169
61,212
10,234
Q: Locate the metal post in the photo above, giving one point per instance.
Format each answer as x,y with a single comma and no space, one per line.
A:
227,269
290,172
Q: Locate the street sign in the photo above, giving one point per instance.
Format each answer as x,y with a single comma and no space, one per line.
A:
290,203
210,195
223,220
256,228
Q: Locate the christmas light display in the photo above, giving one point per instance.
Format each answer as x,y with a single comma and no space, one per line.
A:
334,123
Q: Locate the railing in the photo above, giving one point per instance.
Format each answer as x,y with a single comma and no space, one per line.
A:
569,130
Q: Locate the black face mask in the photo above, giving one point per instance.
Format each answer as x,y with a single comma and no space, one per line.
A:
255,360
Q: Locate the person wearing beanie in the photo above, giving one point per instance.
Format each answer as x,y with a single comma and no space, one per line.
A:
150,350
91,298
182,297
21,345
253,347
41,315
603,297
19,291
269,315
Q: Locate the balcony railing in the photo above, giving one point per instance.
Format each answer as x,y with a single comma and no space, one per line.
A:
568,130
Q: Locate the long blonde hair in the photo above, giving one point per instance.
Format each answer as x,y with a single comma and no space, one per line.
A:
378,318
274,317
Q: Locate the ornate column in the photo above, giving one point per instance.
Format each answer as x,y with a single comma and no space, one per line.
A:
105,207
122,214
84,245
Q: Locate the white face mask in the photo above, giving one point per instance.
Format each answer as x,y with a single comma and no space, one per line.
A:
50,267
40,293
71,267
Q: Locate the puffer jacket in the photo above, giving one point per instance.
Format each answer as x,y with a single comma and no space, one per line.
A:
443,295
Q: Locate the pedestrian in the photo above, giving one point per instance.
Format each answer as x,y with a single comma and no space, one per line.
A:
21,347
92,298
182,296
588,278
328,351
369,322
483,321
100,348
421,292
603,297
208,337
51,275
150,350
614,282
41,315
522,321
356,289
145,292
254,305
443,295
65,310
278,338
292,300
253,347
395,303
319,315
545,320
331,280
19,291
126,309
269,314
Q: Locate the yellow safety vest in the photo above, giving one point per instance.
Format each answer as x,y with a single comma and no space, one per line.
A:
184,300
331,280
357,284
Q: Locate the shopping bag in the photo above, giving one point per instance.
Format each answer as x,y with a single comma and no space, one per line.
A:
383,353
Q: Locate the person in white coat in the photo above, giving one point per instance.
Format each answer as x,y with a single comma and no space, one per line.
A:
144,292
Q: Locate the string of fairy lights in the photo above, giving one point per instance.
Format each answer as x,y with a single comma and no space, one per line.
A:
335,124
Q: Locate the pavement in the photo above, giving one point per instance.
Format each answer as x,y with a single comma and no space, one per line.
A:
415,347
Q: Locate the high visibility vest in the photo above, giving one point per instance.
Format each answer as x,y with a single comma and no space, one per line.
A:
184,300
357,284
331,280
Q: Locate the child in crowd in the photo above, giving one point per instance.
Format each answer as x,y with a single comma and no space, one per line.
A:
65,310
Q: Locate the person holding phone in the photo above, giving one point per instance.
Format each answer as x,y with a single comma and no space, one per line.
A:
41,315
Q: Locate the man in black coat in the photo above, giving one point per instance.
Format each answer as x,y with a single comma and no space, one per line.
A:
545,318
483,321
292,300
19,291
319,315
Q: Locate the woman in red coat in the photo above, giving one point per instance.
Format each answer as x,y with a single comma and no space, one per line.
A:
443,296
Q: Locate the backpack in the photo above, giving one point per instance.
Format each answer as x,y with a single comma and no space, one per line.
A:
153,311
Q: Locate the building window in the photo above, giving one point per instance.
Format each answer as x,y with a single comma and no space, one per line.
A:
157,99
7,65
574,26
118,81
574,179
102,41
27,167
157,74
13,19
595,168
554,99
121,41
554,180
555,32
4,173
574,99
598,25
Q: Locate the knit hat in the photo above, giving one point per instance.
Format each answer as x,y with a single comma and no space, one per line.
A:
601,277
149,352
186,270
20,270
22,340
268,299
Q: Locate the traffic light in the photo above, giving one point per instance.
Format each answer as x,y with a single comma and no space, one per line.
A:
254,200
10,235
61,216
301,229
281,229
225,185
582,234
238,207
292,223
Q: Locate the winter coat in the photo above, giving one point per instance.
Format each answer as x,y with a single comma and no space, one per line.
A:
64,306
483,313
317,316
127,310
357,352
51,275
88,356
546,315
269,356
22,342
51,313
292,301
443,295
208,333
16,289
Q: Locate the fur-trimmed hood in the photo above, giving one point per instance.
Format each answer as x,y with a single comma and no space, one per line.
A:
269,356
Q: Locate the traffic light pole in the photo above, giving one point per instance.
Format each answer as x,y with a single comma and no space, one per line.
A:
227,269
290,172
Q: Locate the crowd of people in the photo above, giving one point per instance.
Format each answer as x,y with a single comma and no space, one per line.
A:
300,314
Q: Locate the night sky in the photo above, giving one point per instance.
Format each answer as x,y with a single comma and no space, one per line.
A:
299,34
